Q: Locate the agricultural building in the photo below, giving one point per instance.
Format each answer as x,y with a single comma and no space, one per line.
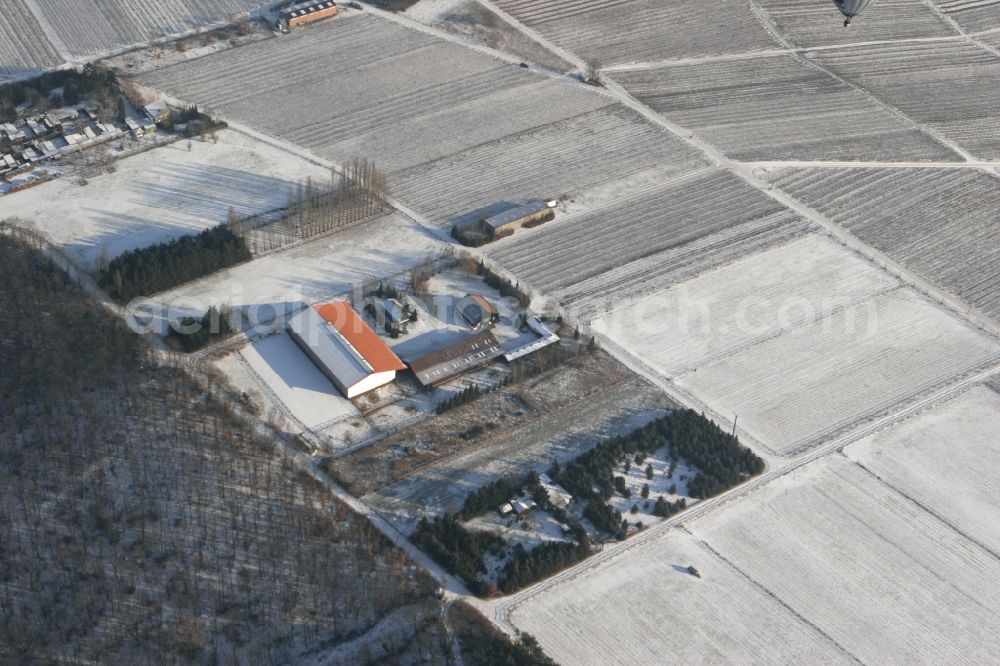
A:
544,339
471,352
344,348
477,311
515,218
305,12
157,111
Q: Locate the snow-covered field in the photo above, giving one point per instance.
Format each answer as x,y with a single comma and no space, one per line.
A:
872,570
24,48
566,251
453,129
295,380
816,379
318,269
778,108
947,459
940,223
731,308
800,341
621,31
948,86
162,193
91,27
644,608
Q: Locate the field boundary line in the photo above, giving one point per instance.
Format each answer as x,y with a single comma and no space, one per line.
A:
704,545
939,518
535,36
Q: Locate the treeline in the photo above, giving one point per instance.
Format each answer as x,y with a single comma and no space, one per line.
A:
457,549
528,566
493,279
97,82
193,333
490,496
155,268
722,462
505,286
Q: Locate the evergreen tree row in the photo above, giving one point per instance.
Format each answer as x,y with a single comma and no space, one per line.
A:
457,549
722,462
196,333
161,266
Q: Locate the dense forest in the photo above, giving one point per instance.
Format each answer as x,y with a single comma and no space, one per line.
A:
151,269
144,520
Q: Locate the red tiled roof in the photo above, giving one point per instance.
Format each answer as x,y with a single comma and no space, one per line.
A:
349,324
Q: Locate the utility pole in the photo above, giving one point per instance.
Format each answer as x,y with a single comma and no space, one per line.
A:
735,419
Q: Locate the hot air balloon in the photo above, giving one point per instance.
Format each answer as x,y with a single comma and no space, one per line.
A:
851,8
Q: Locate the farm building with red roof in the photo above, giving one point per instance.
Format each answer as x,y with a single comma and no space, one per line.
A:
344,347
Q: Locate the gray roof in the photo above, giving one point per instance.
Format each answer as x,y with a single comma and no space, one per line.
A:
331,348
472,351
514,214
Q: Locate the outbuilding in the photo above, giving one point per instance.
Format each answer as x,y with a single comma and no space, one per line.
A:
344,348
515,218
470,352
477,311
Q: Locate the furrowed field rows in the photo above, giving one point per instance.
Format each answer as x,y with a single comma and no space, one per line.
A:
91,27
453,129
24,48
642,607
595,297
720,312
806,385
972,15
604,149
560,254
778,108
606,33
811,23
947,460
940,223
948,86
883,578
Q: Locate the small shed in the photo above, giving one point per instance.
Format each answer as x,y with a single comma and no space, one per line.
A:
477,311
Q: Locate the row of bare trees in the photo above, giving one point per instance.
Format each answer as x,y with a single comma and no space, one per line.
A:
357,191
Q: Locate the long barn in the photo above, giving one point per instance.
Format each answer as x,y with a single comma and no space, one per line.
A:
344,348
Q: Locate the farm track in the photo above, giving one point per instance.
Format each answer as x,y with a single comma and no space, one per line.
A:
593,31
778,108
